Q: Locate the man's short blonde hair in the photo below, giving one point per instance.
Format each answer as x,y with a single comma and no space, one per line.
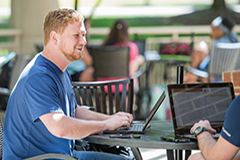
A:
57,20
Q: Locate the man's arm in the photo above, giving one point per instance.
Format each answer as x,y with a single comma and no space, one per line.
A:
220,149
72,128
211,149
85,114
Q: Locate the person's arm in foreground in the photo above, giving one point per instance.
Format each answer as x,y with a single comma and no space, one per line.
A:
90,123
212,149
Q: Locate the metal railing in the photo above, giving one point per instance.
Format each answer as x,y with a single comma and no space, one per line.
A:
11,40
169,33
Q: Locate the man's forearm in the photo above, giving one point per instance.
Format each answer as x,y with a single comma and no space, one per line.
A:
85,114
206,143
71,128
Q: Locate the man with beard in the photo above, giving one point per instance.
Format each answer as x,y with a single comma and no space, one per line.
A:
42,115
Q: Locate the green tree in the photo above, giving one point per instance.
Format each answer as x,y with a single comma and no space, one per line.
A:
218,8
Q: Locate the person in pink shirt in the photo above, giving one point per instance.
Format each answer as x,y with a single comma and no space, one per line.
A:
119,36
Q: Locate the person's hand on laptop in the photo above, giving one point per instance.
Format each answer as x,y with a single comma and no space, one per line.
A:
203,123
130,116
118,120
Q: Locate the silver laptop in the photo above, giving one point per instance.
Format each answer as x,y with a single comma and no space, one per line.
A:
139,127
193,102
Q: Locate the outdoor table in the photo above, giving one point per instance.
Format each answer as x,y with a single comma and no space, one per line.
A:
151,139
168,61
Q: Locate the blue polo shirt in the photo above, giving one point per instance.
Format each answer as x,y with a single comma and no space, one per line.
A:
231,127
42,88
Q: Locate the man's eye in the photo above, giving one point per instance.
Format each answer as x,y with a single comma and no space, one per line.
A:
76,35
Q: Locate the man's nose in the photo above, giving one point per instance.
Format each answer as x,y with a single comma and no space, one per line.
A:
83,41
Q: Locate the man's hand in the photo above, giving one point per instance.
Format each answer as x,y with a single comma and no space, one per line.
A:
205,124
130,117
119,119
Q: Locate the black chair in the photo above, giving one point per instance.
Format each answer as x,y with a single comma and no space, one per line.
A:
110,61
224,57
106,97
38,157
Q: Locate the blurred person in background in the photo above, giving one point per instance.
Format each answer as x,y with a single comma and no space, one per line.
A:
221,33
119,37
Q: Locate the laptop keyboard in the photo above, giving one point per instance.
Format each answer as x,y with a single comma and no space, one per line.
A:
133,127
136,127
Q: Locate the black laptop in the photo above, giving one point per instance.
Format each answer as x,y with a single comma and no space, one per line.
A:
200,101
139,127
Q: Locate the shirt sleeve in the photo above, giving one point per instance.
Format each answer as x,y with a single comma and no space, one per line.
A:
41,96
231,129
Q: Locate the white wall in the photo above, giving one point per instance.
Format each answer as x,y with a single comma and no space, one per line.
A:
28,16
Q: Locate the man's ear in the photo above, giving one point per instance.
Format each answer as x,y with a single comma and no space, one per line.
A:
54,37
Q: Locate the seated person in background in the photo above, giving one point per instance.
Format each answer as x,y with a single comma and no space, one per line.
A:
81,70
221,33
228,144
119,36
42,114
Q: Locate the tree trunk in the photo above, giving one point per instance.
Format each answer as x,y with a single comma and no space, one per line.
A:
76,5
146,2
202,17
219,4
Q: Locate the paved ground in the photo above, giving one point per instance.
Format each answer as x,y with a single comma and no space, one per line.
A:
156,154
153,154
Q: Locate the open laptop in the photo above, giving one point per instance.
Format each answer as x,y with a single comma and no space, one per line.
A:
139,127
193,102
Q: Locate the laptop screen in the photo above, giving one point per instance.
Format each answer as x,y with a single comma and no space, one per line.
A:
201,101
154,110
